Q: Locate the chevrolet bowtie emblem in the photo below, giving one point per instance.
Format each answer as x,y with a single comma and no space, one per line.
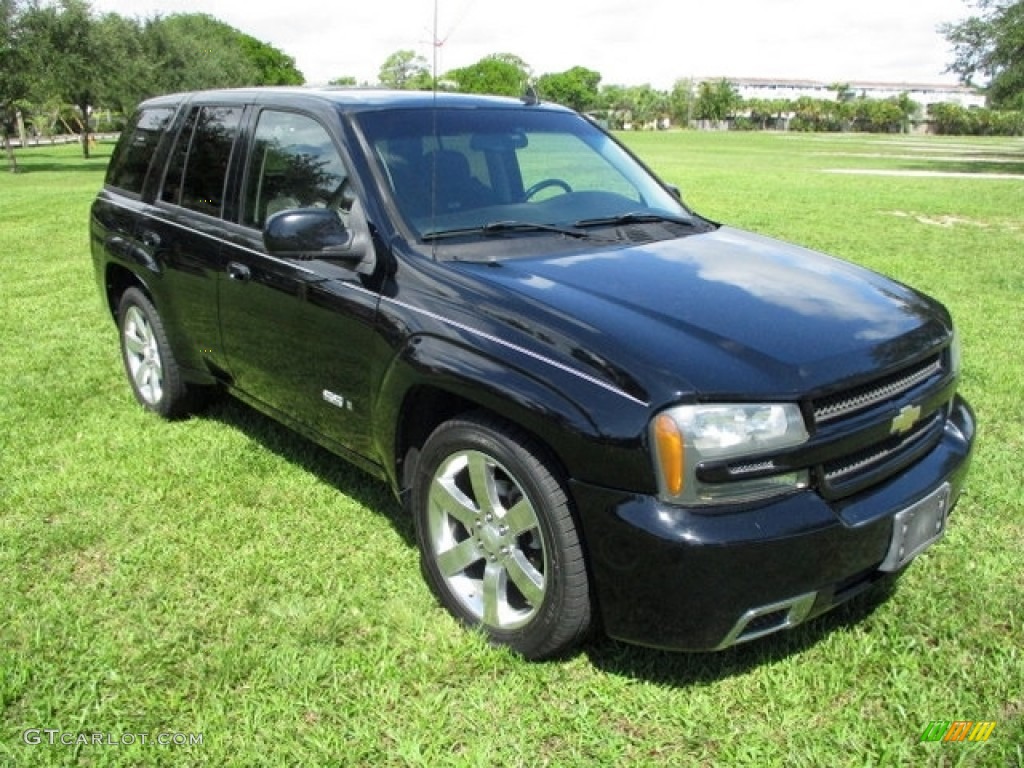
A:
907,418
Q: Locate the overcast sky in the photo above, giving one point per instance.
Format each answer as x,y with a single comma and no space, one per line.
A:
630,42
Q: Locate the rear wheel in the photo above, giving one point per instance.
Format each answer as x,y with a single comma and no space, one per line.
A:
152,371
497,537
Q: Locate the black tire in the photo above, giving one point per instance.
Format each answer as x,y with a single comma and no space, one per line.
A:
497,538
153,373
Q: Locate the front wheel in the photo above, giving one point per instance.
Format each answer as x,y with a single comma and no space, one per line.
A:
497,538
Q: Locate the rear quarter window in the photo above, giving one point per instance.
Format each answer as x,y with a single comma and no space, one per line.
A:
130,160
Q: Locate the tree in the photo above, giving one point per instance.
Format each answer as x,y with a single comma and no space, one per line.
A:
809,114
500,74
844,93
192,51
716,101
991,44
273,67
73,52
616,104
14,79
648,105
878,116
761,112
123,86
955,120
70,61
681,101
844,111
950,119
344,80
405,70
576,88
909,109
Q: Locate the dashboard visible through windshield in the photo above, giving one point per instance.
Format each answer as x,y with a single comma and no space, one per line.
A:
476,172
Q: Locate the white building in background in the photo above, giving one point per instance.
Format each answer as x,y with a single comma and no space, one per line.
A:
776,88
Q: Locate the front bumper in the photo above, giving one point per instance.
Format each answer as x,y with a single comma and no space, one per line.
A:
687,579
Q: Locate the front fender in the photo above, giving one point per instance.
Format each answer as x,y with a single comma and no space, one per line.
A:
559,412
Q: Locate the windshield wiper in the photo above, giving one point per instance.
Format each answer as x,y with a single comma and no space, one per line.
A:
500,227
495,227
636,217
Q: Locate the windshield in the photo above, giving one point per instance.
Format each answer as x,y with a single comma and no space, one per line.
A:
463,171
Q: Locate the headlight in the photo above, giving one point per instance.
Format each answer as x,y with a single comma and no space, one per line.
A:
687,436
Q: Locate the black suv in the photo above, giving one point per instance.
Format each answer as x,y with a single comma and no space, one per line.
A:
596,404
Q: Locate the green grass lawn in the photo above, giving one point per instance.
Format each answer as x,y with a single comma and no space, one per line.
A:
222,576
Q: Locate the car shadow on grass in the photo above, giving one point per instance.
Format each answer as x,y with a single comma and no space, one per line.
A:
347,479
683,669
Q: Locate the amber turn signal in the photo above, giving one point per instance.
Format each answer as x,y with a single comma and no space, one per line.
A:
669,442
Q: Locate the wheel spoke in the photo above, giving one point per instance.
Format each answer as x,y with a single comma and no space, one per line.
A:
481,477
449,500
135,344
493,593
528,579
454,561
521,517
142,375
156,382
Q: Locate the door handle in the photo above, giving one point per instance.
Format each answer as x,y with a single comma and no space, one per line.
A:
238,271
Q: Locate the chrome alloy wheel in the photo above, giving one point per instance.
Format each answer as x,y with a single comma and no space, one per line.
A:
486,540
143,356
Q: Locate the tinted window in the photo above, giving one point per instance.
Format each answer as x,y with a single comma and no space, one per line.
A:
294,164
197,172
456,170
138,144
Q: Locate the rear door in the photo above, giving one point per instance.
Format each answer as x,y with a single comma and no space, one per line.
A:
184,227
297,334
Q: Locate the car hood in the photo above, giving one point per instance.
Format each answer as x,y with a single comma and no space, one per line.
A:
727,314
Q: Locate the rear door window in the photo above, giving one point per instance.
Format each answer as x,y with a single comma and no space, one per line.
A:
198,168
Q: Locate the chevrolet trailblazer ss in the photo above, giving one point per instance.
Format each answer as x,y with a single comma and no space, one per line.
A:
600,408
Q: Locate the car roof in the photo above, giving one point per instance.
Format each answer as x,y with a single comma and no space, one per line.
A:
348,99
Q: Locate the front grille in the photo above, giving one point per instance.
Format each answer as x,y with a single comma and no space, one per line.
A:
852,401
853,471
851,415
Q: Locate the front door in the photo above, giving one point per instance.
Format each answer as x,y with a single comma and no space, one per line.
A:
297,334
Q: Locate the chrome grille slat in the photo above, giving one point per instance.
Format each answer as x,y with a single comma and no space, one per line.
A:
843,405
854,465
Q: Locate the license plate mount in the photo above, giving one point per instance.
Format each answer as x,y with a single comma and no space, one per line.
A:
917,527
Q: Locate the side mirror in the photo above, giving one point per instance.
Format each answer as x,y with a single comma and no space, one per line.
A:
305,234
675,191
